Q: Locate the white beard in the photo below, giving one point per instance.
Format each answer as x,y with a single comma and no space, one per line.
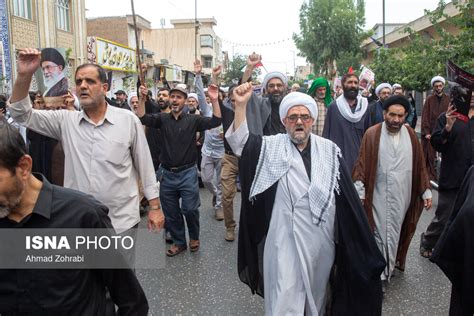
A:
51,81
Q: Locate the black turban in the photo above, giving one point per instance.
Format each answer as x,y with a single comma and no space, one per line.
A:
397,99
51,54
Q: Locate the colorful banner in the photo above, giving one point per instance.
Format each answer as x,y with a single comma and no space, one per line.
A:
111,55
5,54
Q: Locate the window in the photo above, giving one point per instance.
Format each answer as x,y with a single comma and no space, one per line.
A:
207,61
22,8
62,15
206,41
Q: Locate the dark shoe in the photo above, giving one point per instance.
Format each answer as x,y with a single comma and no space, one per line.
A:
175,250
424,252
194,245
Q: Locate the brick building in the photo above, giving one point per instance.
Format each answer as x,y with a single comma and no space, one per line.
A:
41,23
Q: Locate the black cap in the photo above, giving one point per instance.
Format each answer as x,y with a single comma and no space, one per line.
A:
52,54
397,99
120,92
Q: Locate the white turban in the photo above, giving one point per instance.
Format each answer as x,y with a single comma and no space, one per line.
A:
396,86
130,96
297,98
193,95
437,78
274,74
382,86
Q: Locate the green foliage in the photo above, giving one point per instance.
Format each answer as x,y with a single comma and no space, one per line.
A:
234,72
415,64
331,33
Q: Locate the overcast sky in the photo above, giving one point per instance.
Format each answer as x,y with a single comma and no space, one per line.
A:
252,22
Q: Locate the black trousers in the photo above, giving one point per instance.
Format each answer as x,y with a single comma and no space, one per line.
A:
446,199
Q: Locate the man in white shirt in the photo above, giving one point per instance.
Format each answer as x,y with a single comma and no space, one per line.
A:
105,148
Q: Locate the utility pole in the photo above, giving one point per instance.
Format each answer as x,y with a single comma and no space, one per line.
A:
383,23
196,28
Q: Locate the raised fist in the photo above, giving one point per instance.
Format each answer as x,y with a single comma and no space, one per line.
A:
28,61
242,94
254,59
197,66
216,71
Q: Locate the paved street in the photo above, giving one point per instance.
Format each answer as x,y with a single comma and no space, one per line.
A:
206,283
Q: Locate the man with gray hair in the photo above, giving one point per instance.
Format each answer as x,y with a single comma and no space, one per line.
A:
263,111
293,185
383,92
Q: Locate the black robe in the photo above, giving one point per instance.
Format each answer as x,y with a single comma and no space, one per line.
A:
355,278
454,252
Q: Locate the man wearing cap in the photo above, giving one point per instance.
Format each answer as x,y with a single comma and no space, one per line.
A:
321,93
345,122
391,181
375,111
263,111
52,64
435,104
121,100
299,184
178,172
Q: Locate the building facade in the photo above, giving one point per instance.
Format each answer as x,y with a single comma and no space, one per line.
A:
40,24
181,44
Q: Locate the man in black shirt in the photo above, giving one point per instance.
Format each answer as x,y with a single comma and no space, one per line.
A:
178,172
454,139
29,201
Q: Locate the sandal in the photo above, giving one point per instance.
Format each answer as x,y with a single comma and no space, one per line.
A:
175,250
424,252
194,245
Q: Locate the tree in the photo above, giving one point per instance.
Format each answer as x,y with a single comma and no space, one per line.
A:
415,64
331,32
234,72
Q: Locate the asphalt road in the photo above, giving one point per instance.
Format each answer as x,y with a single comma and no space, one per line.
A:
206,282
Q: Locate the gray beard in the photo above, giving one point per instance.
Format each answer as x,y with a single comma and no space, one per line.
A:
4,212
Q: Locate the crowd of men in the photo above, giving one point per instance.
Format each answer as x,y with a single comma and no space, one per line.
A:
333,181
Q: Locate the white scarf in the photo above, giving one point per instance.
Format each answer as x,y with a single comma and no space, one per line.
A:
345,108
274,162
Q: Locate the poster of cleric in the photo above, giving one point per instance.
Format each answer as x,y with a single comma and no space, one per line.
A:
51,77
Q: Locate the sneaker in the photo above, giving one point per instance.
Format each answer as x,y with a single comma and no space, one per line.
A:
230,234
219,215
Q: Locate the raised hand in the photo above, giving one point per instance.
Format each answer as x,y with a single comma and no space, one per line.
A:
197,66
143,92
253,60
242,94
213,92
28,61
450,118
216,71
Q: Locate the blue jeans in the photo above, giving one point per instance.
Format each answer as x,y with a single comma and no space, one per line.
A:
174,186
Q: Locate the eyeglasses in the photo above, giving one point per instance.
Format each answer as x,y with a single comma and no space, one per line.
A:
294,118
